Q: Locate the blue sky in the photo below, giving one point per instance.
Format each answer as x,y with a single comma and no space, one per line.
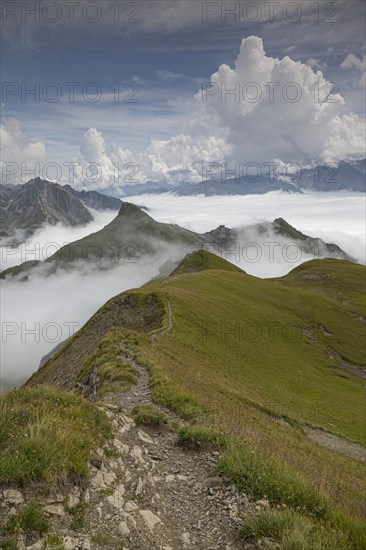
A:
167,53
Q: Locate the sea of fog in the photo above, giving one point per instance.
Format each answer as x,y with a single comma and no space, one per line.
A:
40,313
337,217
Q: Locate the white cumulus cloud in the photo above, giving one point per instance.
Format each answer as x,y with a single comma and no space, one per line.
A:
354,62
17,149
263,109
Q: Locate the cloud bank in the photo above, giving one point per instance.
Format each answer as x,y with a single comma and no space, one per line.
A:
261,110
335,217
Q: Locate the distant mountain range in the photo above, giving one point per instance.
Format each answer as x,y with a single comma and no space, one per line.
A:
134,234
346,176
25,208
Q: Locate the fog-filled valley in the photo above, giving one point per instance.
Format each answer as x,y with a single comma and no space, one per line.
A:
41,312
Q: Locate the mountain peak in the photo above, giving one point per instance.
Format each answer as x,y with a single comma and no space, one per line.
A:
202,260
128,209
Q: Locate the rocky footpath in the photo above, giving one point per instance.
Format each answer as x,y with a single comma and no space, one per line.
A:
146,492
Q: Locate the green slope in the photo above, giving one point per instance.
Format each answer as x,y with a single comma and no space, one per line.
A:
257,359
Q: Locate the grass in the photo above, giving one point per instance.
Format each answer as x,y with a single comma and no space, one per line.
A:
259,474
249,358
114,373
134,311
148,415
290,531
199,437
199,260
166,393
248,384
54,542
9,544
78,515
31,519
46,435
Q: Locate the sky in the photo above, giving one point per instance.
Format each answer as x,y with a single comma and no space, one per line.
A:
141,91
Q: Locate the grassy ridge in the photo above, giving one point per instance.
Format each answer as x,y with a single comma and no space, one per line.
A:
134,310
254,380
262,344
256,361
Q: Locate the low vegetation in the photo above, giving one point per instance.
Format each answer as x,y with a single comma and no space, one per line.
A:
201,261
258,474
78,515
290,530
54,542
46,435
213,360
247,362
149,415
165,392
199,437
138,311
111,366
31,520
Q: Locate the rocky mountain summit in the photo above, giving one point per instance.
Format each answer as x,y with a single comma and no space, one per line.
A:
25,208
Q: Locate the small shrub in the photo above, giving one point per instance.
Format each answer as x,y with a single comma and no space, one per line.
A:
9,544
78,515
111,454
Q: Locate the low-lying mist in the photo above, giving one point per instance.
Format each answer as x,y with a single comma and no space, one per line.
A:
335,217
41,312
46,240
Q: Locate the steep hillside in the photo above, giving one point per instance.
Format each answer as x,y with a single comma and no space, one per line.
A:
279,364
130,236
94,199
